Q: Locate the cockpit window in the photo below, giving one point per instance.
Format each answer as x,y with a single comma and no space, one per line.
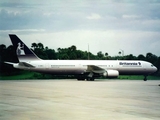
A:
151,65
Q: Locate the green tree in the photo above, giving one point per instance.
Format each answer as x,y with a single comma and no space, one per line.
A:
40,46
51,54
106,54
64,57
151,58
141,57
7,54
100,55
34,46
2,52
73,48
39,50
129,57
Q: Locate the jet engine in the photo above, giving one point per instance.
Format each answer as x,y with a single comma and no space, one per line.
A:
111,73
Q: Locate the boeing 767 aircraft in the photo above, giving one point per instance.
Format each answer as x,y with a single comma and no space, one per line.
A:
82,69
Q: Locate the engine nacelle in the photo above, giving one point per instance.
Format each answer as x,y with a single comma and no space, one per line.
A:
105,74
111,73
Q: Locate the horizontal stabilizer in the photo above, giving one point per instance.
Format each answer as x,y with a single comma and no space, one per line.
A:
21,64
10,63
24,64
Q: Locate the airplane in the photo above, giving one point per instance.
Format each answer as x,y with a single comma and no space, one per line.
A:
81,69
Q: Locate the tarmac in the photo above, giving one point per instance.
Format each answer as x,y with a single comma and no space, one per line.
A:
79,100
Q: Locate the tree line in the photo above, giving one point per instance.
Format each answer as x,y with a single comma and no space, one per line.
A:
70,53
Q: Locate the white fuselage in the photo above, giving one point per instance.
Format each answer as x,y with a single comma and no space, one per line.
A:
73,67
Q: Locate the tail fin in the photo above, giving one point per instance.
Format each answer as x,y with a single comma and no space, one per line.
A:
22,51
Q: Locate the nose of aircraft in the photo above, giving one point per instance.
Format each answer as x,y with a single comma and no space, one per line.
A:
154,69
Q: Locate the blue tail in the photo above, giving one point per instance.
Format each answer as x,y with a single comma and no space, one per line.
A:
23,52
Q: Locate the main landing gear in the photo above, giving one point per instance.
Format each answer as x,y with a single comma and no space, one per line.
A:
90,79
82,78
87,79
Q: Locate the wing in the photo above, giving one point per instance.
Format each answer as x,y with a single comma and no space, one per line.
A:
92,69
95,69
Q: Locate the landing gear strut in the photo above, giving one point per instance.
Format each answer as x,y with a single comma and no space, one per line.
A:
90,77
145,78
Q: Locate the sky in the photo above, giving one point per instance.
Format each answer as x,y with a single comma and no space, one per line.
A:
132,26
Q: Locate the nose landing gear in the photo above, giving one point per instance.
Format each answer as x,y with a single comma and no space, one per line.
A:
145,78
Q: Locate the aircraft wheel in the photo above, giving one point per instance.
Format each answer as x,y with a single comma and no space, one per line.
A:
80,79
90,79
145,78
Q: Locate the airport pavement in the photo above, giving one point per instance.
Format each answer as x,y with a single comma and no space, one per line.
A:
79,100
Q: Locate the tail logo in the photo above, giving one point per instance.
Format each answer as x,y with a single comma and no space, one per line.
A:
20,49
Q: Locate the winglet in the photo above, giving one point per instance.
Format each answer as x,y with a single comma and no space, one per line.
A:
22,51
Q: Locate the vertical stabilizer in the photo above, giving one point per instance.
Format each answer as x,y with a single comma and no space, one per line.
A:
22,51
